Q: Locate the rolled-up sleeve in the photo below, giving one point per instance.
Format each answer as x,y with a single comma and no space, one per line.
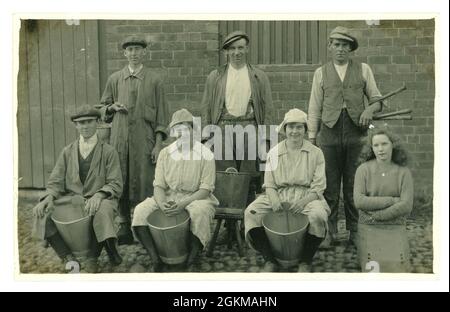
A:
208,175
271,165
319,181
371,88
315,105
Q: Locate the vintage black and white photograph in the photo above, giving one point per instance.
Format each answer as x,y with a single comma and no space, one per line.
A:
221,146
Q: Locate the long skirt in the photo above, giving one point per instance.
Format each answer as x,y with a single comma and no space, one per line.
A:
201,213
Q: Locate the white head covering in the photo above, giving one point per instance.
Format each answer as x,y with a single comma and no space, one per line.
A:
293,115
182,115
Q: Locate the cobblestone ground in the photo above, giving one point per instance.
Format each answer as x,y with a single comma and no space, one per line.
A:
35,258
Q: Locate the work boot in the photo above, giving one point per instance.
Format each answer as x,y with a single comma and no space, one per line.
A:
195,248
311,244
145,238
59,246
114,258
125,236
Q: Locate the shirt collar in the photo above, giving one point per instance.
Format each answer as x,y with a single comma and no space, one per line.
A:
306,147
196,149
138,73
91,141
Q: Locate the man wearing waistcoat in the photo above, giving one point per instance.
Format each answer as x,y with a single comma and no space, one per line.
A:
338,119
237,93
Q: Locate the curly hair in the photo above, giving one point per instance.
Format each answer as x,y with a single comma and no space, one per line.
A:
399,154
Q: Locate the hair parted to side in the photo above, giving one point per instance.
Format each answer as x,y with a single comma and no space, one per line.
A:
399,154
304,124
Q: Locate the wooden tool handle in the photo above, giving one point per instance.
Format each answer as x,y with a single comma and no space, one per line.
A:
396,113
398,117
388,95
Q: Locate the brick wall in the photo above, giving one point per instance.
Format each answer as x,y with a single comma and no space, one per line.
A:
400,51
184,52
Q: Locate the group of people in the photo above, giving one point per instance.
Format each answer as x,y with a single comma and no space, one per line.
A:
321,149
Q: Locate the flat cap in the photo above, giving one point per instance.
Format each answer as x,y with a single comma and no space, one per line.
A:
134,40
234,36
344,34
85,112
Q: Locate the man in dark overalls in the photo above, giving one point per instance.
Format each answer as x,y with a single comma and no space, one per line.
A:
338,119
134,103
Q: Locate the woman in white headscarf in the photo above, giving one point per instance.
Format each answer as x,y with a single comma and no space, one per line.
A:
295,173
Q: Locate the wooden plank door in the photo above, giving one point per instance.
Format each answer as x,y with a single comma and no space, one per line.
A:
58,71
281,42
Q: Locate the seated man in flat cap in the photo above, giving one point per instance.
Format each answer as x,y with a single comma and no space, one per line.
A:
238,94
134,103
87,173
338,119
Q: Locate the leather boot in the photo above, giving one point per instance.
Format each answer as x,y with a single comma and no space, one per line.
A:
145,238
261,243
196,246
125,236
312,243
114,257
59,246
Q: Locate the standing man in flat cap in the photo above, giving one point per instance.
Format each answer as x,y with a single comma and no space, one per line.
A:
135,104
237,93
87,174
338,119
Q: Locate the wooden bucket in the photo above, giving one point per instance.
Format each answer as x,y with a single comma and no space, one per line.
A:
383,248
232,188
171,235
104,132
72,224
286,233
